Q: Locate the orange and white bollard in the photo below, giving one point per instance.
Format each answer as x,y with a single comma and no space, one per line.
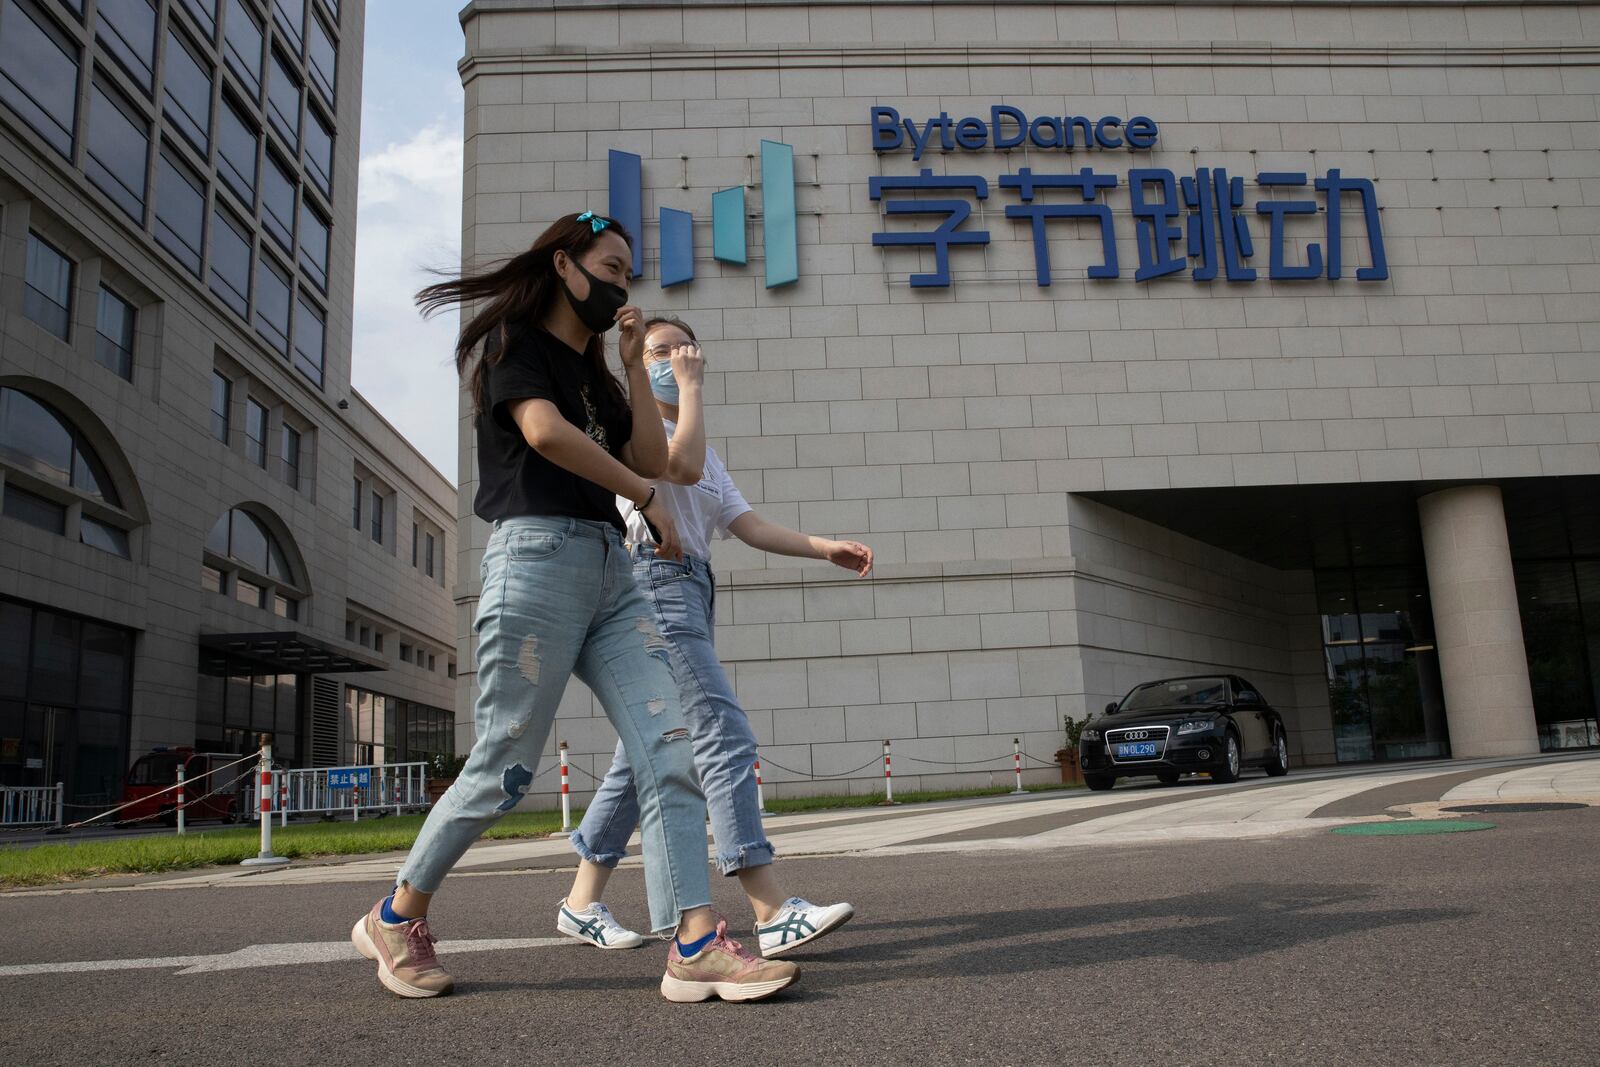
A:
1016,756
180,798
566,793
888,776
283,798
264,793
761,800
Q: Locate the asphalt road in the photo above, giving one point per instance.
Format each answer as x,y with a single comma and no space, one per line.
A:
1468,948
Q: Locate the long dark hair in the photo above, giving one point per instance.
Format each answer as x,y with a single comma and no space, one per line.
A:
516,294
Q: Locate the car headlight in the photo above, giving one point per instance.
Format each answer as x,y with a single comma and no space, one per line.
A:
1090,735
1195,726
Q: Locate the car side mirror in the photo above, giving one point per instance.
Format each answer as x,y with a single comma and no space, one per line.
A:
1111,708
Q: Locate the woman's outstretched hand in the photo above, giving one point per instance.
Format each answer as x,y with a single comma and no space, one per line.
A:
851,555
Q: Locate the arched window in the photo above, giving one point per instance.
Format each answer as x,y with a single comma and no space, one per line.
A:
53,479
245,560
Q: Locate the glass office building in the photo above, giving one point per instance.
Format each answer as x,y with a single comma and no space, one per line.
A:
179,441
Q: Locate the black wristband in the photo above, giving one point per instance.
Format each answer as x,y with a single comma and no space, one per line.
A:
646,503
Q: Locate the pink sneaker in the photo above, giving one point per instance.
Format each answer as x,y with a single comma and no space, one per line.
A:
407,964
724,968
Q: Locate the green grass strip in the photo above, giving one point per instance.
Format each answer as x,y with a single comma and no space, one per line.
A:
70,861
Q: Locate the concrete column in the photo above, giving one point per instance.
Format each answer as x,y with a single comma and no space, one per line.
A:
1482,662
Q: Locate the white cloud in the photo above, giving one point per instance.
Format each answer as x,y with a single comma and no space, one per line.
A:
408,222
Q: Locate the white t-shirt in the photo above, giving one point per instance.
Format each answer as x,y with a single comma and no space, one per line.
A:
699,510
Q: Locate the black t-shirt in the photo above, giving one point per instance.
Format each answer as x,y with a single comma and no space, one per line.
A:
513,479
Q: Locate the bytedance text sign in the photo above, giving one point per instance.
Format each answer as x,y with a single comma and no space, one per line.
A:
1210,204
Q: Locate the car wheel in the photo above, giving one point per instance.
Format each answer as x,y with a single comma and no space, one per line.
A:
1168,777
1099,782
1278,765
1229,771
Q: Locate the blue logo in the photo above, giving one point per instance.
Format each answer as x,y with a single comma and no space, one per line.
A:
728,245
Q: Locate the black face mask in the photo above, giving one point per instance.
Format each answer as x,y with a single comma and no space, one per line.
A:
598,310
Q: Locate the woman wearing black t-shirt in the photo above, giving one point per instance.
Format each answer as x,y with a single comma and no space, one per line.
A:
558,440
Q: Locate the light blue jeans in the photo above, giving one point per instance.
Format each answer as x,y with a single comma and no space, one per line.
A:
684,596
559,599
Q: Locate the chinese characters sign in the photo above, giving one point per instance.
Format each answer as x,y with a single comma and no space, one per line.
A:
1190,222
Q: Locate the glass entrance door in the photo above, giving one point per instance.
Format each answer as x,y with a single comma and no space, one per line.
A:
48,740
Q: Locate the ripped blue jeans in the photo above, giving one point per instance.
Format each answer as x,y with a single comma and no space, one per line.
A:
684,598
559,599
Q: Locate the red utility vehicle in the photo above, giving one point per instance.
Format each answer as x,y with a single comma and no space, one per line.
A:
151,775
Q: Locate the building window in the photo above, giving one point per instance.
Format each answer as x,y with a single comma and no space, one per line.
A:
242,545
405,652
349,629
38,73
47,295
106,538
204,12
377,641
356,517
236,152
247,592
186,88
35,510
366,637
324,57
118,148
210,578
113,341
230,262
244,41
450,669
427,558
415,542
277,203
221,402
309,333
377,517
286,607
290,16
39,442
272,305
255,431
431,663
314,247
180,210
127,29
291,456
283,101
319,152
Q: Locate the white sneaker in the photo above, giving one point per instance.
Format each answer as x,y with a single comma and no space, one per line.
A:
797,922
596,926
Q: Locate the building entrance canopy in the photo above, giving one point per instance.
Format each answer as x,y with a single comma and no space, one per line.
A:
284,652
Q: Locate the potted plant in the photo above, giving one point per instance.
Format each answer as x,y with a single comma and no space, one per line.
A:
1067,756
442,771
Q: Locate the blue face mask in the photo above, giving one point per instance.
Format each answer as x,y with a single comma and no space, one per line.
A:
662,382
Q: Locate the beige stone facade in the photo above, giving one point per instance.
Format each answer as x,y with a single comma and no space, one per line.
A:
1016,454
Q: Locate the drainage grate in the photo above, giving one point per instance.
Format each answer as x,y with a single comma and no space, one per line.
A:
1470,809
1412,827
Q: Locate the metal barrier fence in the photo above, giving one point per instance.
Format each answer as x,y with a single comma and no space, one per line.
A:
343,790
32,805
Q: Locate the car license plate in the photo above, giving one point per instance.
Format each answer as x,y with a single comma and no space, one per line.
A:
1136,749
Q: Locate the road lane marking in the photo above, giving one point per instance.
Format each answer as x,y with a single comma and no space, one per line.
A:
284,955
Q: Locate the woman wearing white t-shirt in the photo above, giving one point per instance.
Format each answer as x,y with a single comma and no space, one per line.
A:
702,500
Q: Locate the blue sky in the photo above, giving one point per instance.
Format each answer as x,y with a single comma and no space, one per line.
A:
409,218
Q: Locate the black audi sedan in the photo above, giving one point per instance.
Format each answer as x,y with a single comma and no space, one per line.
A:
1218,723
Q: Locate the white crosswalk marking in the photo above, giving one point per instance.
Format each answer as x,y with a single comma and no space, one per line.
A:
286,955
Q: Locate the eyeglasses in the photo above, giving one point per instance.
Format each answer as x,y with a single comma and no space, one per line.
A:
596,222
663,351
